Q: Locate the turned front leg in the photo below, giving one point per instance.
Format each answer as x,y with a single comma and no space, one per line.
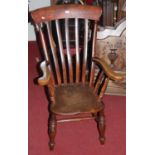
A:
52,130
101,126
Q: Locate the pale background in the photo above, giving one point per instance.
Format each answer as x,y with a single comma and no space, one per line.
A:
35,4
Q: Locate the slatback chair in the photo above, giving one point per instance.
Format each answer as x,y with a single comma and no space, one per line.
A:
76,80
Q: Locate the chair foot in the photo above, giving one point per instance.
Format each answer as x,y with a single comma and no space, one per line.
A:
101,127
52,130
51,145
102,140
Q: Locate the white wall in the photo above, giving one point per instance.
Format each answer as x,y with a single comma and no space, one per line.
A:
35,4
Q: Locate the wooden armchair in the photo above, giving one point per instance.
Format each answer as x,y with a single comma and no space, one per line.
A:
70,77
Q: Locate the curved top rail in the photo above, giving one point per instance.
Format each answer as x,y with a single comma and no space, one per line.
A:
66,11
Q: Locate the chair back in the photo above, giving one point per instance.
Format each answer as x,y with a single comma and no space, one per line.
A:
69,56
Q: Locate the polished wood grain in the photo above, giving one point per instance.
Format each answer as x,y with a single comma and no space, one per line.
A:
103,88
77,50
75,119
85,51
74,91
101,126
109,72
98,82
68,51
66,11
43,43
52,130
53,49
73,99
93,54
44,80
61,51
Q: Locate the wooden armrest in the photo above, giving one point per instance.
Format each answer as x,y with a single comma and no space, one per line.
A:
108,71
44,80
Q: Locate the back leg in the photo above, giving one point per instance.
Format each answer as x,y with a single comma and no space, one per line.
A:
52,130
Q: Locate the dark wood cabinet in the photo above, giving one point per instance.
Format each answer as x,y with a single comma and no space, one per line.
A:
107,18
112,9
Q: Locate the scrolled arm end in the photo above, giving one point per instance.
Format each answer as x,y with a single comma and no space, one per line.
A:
44,80
118,77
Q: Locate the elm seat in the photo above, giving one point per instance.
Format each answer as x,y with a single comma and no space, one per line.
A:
75,98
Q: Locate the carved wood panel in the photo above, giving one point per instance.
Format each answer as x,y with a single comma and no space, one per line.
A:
104,47
113,41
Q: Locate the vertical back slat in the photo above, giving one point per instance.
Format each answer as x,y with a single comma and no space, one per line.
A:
69,58
85,51
77,50
53,48
98,83
43,43
45,50
103,88
61,51
93,54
